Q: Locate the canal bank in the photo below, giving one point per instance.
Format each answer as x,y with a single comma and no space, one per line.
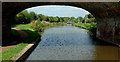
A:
72,43
29,42
22,56
68,43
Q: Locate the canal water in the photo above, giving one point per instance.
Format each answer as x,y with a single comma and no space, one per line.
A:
72,43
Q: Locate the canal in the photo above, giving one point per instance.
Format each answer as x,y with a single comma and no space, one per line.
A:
72,43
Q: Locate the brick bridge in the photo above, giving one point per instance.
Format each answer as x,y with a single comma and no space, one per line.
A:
107,15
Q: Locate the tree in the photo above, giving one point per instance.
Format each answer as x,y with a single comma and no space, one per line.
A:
55,19
85,18
47,18
80,19
19,18
33,16
58,19
23,17
75,20
27,16
72,19
51,19
90,16
42,17
61,19
65,19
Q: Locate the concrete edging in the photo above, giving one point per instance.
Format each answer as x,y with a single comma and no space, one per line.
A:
23,55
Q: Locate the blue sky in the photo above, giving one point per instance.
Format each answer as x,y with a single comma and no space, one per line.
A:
58,10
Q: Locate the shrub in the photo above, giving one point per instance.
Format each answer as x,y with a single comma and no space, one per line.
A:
37,26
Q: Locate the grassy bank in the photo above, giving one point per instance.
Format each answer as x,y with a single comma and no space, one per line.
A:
33,29
11,52
89,26
8,54
85,25
32,36
26,27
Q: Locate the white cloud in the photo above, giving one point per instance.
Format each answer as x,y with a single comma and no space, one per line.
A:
56,10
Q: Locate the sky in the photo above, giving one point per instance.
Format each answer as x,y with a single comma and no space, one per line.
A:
58,10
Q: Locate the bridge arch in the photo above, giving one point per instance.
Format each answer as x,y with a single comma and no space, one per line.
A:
107,15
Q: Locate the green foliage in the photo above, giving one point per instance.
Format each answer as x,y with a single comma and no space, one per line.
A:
61,19
86,25
91,20
47,18
90,16
51,19
20,18
80,19
42,17
56,19
65,19
23,17
8,54
26,27
11,52
75,20
72,18
38,19
33,15
37,26
90,26
27,16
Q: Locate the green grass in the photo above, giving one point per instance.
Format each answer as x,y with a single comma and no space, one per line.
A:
11,52
15,25
8,54
26,27
89,26
86,25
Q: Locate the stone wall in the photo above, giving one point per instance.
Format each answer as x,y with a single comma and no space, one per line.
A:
109,26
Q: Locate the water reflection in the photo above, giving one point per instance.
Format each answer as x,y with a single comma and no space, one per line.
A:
72,43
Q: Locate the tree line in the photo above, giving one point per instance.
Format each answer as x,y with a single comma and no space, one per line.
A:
24,17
